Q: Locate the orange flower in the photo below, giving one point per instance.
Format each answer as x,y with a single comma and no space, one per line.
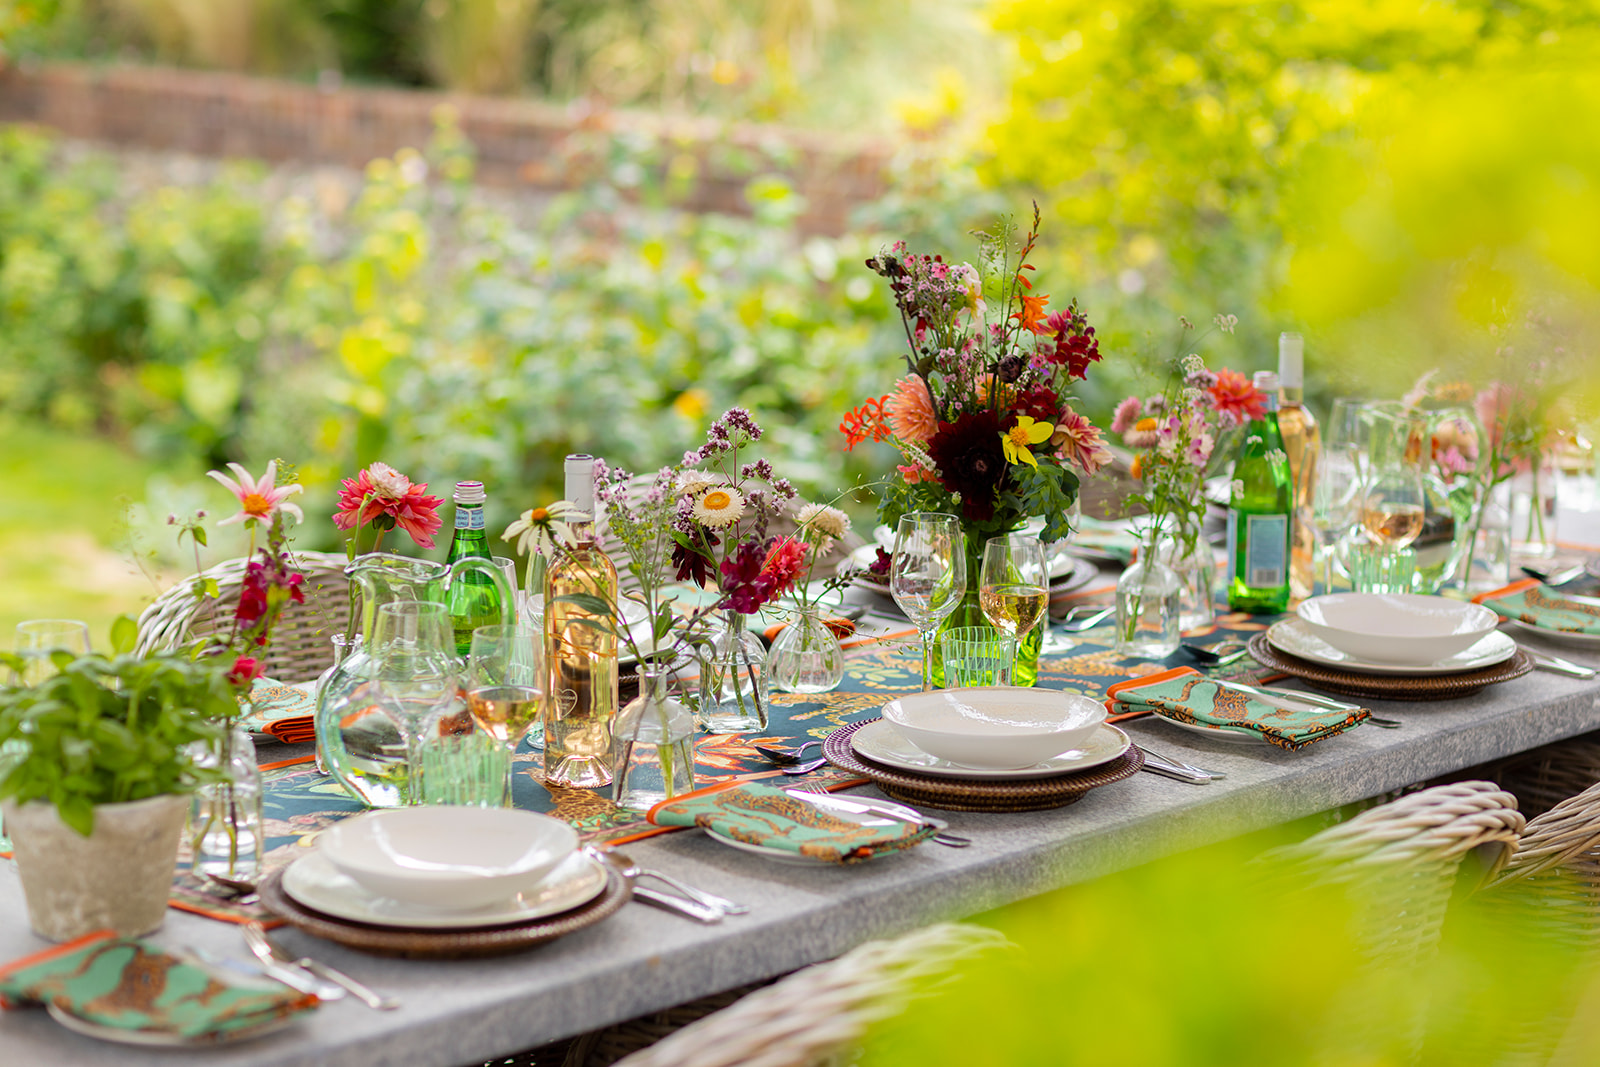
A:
909,411
1032,314
865,423
1237,398
1137,470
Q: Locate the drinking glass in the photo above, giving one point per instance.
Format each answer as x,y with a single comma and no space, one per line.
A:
928,577
1335,508
976,656
504,682
1013,586
416,675
37,638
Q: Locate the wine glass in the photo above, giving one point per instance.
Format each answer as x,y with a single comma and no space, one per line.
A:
504,682
416,675
1013,586
928,577
1392,506
37,638
1334,507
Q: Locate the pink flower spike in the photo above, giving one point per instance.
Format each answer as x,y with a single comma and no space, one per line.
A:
259,499
1126,415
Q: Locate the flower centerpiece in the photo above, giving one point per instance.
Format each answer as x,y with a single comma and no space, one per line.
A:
983,416
1174,435
806,656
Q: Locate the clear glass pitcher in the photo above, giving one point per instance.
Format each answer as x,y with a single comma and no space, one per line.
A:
359,744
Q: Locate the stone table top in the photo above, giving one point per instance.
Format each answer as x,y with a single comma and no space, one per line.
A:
462,1012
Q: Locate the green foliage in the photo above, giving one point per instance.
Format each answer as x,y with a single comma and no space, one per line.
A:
109,730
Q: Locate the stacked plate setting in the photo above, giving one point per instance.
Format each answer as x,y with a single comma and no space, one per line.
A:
992,733
1393,634
445,868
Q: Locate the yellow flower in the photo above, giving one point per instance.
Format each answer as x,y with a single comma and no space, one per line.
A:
1026,432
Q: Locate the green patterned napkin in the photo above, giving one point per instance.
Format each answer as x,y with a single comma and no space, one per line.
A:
762,815
1188,696
1539,605
135,985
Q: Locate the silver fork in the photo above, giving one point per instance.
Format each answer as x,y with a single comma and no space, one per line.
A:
255,935
1198,775
940,836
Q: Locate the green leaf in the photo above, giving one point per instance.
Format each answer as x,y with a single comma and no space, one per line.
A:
77,812
587,602
211,588
199,533
124,634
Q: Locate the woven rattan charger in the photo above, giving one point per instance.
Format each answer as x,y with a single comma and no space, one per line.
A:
967,794
1388,686
443,944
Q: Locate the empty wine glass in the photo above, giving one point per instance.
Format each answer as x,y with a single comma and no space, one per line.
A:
928,577
37,638
504,681
416,675
1013,587
1334,507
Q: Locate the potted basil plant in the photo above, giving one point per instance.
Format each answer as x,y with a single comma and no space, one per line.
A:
95,782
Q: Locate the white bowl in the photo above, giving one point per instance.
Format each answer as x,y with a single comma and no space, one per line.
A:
997,728
448,857
1397,627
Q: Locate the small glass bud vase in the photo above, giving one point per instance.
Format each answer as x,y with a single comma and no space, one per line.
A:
225,832
806,656
652,745
1149,602
1196,570
733,680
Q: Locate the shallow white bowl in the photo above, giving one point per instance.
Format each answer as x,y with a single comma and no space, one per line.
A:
996,727
448,857
1397,627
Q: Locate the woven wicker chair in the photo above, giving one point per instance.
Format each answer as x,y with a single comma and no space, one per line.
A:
1400,862
1543,777
1538,922
810,1017
300,649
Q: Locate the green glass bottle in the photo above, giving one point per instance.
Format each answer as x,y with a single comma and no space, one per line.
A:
1261,513
473,600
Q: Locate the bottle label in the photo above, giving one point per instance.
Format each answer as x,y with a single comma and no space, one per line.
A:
469,518
1266,550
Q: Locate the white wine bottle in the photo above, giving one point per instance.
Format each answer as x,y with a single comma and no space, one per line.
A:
581,646
1302,443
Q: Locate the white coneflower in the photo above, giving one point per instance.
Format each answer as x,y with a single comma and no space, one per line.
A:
390,484
693,483
542,529
718,507
826,520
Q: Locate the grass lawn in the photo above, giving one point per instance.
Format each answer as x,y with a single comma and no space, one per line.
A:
63,498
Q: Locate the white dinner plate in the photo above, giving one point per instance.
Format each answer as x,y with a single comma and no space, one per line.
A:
1562,636
313,881
860,810
881,743
1295,637
163,1038
1235,735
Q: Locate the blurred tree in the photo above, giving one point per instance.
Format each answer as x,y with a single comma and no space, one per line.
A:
1168,130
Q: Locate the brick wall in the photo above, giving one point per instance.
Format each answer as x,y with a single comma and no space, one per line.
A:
519,142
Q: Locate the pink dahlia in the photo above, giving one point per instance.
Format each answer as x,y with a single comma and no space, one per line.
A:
1237,396
1077,440
259,498
784,561
1126,415
379,493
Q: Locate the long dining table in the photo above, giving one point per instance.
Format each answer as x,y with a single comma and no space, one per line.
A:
461,1012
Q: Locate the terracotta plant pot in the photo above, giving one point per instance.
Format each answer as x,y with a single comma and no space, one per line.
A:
118,878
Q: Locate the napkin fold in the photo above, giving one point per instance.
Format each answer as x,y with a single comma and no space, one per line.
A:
1537,604
1186,695
287,712
135,985
763,815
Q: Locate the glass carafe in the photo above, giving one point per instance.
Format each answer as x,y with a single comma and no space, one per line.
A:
357,743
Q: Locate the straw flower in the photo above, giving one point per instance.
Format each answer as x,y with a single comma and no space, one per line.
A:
719,507
828,521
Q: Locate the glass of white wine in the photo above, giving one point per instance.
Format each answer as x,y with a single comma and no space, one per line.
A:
928,577
504,682
1013,587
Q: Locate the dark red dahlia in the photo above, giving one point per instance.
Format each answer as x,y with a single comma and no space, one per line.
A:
970,461
1039,403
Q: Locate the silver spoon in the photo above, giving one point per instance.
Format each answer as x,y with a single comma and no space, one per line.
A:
784,757
631,869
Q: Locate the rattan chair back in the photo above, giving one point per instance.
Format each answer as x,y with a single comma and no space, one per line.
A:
817,1014
300,648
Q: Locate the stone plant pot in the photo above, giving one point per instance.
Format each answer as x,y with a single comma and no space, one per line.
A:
118,878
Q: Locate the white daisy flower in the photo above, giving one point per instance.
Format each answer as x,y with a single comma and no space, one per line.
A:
825,520
718,507
542,529
693,483
390,483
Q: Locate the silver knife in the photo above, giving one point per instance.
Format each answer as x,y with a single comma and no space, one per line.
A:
1169,770
687,908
